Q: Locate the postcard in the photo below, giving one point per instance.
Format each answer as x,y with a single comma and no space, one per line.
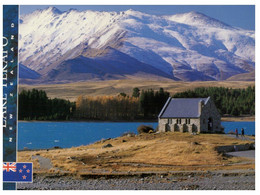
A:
128,97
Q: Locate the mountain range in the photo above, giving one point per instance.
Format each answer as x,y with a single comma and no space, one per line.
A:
71,46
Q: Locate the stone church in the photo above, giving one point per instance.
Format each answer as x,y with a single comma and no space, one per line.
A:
194,115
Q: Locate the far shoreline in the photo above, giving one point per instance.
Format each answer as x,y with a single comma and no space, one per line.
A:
94,121
238,119
224,119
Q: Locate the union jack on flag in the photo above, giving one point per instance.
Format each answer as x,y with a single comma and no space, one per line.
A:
17,172
9,167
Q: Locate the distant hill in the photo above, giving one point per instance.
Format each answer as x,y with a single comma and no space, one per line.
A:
243,77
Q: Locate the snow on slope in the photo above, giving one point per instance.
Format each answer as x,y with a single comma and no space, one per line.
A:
198,19
180,45
48,34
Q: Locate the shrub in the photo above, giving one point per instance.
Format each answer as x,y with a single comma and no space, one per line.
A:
144,129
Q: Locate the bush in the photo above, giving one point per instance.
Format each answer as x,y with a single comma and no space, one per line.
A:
144,129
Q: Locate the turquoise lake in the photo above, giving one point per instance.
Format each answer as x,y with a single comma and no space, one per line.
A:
39,135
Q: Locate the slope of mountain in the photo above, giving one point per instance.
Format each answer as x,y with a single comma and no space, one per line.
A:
112,65
189,46
243,77
27,73
198,19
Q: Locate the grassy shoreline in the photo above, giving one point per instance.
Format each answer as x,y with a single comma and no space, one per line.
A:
142,153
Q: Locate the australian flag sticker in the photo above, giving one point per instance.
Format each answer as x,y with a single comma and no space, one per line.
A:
17,172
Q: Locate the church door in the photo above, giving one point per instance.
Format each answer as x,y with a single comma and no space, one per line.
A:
210,124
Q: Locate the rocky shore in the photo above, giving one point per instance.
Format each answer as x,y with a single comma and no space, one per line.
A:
217,180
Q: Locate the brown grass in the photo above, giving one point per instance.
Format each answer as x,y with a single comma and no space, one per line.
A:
148,152
113,87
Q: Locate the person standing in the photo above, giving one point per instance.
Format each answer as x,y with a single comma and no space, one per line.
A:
236,133
242,132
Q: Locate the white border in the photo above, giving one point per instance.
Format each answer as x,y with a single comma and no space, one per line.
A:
151,2
132,2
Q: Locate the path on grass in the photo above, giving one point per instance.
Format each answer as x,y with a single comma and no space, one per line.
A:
246,154
240,137
45,163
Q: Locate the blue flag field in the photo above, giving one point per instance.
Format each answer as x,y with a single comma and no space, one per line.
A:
17,172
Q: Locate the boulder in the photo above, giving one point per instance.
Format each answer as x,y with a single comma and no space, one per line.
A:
107,146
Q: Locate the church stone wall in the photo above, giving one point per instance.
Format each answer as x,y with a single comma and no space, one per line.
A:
198,125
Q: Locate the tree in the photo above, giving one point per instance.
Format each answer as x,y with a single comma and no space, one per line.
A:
228,101
122,94
136,92
107,108
34,104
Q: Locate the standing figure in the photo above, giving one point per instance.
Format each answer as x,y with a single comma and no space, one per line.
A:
242,132
236,133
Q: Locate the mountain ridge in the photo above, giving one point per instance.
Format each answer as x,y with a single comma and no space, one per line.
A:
189,46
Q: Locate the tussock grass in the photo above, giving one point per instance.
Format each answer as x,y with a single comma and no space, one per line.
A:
146,152
71,91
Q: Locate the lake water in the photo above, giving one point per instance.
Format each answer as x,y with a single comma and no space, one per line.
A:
38,135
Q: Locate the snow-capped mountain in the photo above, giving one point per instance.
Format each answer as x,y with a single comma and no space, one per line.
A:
189,46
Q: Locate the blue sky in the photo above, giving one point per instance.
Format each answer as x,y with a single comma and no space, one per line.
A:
235,15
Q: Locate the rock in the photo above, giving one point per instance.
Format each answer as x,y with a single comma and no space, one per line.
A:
104,140
25,148
130,135
194,143
57,147
107,146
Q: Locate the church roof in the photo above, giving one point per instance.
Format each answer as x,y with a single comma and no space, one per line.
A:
182,108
